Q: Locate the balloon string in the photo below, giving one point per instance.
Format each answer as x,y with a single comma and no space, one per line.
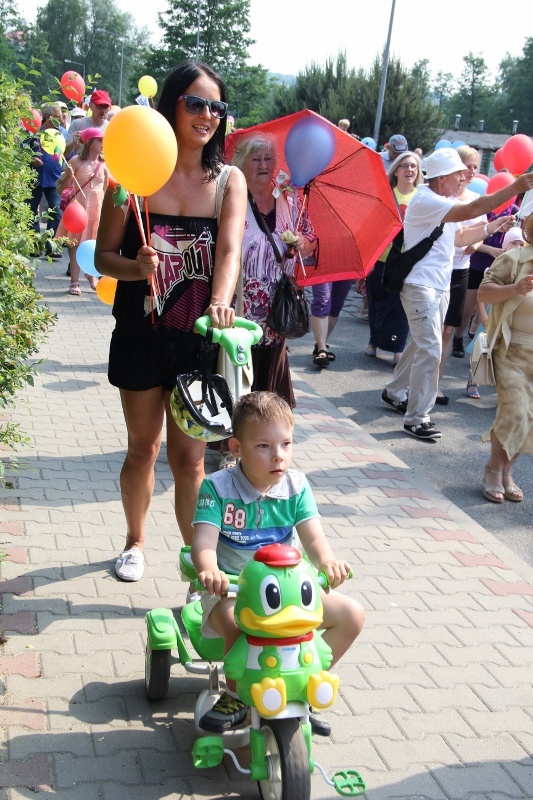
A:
153,285
135,206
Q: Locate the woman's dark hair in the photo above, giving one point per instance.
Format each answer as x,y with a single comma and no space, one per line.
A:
176,84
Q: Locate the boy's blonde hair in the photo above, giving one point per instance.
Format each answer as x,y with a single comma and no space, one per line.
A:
258,407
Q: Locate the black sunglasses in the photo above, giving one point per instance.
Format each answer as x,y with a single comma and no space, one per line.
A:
195,105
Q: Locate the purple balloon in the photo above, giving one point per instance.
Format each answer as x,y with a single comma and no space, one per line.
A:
309,148
478,185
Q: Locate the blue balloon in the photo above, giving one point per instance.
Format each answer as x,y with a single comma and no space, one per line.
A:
443,143
457,144
309,148
85,258
478,185
369,142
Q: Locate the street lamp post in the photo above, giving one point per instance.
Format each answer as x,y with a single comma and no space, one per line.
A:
79,64
110,33
384,70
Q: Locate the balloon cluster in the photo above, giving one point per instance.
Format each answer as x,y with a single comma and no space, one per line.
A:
516,155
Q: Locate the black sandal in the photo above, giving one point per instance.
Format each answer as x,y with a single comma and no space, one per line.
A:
330,356
321,359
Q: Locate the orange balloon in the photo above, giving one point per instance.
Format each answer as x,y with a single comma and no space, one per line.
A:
140,149
105,290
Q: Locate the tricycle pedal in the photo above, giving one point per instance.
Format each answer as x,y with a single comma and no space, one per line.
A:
208,752
348,783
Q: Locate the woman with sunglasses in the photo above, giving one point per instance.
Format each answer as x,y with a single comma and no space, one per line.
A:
195,263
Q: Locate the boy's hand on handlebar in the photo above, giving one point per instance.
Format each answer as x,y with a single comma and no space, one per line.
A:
214,581
336,571
147,261
221,315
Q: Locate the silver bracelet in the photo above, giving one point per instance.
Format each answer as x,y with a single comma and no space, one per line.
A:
486,230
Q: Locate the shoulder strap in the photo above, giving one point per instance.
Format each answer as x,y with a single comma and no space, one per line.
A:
219,197
221,188
264,227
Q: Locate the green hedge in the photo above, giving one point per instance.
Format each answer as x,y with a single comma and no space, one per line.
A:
24,319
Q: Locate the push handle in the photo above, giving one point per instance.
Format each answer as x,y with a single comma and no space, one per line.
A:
236,341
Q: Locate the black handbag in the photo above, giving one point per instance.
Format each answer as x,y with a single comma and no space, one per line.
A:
289,313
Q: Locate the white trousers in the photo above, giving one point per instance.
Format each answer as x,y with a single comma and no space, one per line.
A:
416,376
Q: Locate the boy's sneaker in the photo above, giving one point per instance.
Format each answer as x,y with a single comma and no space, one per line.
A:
228,712
396,405
129,566
425,430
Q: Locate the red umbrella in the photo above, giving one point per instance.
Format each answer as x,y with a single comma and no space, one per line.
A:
350,203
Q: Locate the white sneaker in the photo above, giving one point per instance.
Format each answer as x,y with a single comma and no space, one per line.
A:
129,566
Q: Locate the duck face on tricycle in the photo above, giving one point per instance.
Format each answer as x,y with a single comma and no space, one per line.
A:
279,663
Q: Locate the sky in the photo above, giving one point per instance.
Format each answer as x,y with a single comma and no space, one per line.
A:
290,34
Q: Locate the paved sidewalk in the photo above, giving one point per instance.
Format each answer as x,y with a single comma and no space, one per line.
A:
436,697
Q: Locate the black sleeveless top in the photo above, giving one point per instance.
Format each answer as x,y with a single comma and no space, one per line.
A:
184,277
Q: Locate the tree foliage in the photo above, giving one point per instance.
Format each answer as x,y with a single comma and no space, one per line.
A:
336,91
222,43
24,321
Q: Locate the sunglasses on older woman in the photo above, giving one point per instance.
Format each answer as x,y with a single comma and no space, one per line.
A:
195,105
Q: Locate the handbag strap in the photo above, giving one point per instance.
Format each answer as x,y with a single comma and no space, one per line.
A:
264,227
95,173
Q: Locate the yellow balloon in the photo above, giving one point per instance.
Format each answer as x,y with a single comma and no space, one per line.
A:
140,149
53,142
147,86
105,290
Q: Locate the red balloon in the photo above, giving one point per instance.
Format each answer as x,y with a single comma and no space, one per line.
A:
72,86
33,123
517,153
498,160
75,218
497,182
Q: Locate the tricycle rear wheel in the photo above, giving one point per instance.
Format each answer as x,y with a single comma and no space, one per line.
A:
156,673
289,776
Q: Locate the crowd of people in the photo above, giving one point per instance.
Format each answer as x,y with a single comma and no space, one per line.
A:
236,225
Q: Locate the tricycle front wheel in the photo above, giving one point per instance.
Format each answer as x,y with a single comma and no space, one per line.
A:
156,673
286,752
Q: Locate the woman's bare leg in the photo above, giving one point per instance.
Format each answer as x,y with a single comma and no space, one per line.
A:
144,414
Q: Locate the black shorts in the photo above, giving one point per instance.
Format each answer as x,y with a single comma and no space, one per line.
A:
458,286
475,276
145,363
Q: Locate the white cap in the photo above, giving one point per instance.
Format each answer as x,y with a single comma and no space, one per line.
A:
514,235
444,161
78,112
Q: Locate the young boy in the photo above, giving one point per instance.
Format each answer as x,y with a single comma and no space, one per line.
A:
259,502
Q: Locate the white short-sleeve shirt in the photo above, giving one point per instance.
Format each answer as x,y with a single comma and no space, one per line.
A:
426,210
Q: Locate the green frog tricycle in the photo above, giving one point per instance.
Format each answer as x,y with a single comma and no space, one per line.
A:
280,664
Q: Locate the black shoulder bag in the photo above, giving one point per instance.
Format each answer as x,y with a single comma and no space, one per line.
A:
400,262
289,313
